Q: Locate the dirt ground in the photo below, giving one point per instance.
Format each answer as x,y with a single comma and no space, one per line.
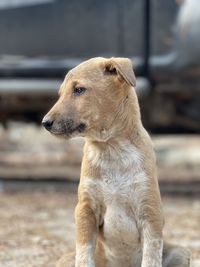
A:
37,226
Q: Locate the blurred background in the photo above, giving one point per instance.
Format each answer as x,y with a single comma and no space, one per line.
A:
40,40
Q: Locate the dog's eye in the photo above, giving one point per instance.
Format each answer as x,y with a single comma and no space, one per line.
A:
78,91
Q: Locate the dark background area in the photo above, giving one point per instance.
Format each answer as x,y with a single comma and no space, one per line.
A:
42,39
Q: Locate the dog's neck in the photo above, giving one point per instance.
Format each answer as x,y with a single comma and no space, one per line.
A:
125,125
122,147
117,153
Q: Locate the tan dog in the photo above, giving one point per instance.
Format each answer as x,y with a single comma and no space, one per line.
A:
119,217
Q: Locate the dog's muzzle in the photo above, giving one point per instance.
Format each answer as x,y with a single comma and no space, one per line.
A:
67,127
70,127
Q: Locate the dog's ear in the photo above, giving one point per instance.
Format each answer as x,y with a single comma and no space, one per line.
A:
121,67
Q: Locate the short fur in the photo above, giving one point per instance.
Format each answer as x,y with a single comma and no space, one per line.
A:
119,218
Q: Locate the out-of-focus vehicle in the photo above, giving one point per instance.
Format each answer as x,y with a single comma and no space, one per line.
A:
42,39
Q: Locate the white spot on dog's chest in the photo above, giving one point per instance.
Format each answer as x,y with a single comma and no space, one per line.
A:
120,169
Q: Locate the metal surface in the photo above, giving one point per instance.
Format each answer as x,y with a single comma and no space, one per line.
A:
50,87
73,28
175,39
28,87
161,38
164,34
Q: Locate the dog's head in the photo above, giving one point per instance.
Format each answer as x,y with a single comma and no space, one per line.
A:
91,97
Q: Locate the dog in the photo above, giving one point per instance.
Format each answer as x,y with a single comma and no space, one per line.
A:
119,218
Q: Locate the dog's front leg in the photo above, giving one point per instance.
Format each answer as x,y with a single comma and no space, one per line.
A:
86,231
152,246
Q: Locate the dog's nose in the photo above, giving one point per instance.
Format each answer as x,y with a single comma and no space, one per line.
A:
47,122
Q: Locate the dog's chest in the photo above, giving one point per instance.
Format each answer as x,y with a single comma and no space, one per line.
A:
115,186
117,190
121,173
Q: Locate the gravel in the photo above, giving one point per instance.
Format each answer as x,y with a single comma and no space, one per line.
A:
37,226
